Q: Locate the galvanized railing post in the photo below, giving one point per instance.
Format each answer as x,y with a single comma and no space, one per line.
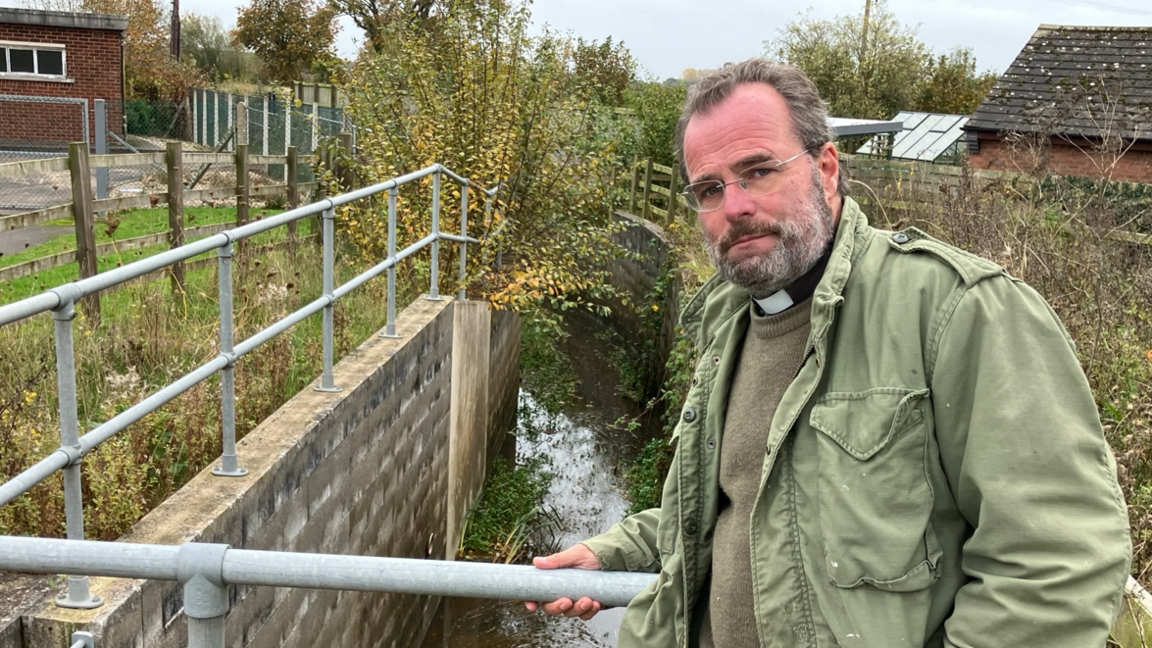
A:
329,218
434,289
78,595
390,327
461,292
83,639
228,464
201,569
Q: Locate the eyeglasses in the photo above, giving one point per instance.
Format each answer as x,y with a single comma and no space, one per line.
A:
759,180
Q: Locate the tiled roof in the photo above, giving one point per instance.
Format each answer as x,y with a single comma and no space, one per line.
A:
1075,81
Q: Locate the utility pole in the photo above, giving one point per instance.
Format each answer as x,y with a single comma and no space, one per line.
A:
174,40
863,36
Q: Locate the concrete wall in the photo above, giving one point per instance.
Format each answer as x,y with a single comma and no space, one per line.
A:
636,278
364,471
503,378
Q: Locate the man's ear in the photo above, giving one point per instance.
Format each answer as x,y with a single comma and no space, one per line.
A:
829,165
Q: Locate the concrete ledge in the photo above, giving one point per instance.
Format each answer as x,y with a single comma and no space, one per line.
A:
1133,628
66,19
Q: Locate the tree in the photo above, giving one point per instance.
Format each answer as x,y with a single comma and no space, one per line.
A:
951,84
373,16
657,107
290,36
604,70
876,80
480,95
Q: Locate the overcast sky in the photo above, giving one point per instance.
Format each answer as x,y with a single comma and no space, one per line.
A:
667,36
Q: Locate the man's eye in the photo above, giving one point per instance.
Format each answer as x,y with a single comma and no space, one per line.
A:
709,191
759,172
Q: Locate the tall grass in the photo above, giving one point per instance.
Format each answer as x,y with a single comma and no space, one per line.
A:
148,337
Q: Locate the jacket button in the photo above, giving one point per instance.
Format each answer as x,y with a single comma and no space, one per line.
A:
690,527
715,360
768,450
695,381
711,443
900,237
689,415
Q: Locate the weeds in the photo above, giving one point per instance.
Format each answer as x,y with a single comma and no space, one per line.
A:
148,338
503,525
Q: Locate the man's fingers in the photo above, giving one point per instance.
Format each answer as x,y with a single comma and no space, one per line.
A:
559,606
595,609
578,556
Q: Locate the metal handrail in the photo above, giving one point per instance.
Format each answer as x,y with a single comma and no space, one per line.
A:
322,571
61,300
206,571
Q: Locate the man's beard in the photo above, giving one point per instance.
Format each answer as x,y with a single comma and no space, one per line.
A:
801,240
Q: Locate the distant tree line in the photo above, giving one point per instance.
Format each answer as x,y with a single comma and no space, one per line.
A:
872,66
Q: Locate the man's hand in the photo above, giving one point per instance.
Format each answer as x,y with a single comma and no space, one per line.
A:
577,556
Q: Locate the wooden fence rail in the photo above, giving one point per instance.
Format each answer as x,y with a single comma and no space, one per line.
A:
83,207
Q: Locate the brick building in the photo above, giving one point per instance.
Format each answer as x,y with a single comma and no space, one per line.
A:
52,66
1077,101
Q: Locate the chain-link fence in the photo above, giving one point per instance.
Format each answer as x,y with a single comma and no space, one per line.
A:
38,127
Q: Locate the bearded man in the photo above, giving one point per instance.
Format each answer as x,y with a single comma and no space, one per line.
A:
887,441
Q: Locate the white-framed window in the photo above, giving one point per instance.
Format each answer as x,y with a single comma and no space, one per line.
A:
33,60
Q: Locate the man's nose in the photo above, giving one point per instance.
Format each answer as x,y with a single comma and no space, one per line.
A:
737,203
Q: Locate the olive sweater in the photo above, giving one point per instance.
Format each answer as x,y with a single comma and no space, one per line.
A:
772,353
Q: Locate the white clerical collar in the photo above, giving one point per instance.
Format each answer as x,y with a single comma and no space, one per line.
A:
777,302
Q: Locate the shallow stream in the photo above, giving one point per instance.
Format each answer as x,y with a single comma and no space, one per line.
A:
586,455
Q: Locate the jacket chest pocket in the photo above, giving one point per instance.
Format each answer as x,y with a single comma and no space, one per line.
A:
874,496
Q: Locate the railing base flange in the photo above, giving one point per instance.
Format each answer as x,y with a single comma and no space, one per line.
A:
239,472
89,604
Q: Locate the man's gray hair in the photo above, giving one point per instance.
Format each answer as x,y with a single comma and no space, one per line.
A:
806,109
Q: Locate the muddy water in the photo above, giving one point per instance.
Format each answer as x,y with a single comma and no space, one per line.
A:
587,457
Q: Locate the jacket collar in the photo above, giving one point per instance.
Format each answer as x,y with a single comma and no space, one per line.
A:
717,300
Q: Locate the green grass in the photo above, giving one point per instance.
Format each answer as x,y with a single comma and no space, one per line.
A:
132,224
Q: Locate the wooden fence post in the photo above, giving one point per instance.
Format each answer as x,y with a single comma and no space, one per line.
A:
241,123
647,189
83,219
635,184
175,160
672,195
293,188
242,184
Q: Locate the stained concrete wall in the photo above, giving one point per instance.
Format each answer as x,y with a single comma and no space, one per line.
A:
635,276
503,377
364,471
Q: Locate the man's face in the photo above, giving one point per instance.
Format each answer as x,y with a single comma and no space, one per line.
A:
762,243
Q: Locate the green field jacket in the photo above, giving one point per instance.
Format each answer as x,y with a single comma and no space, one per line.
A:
935,475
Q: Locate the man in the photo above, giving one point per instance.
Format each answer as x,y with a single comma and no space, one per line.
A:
887,441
